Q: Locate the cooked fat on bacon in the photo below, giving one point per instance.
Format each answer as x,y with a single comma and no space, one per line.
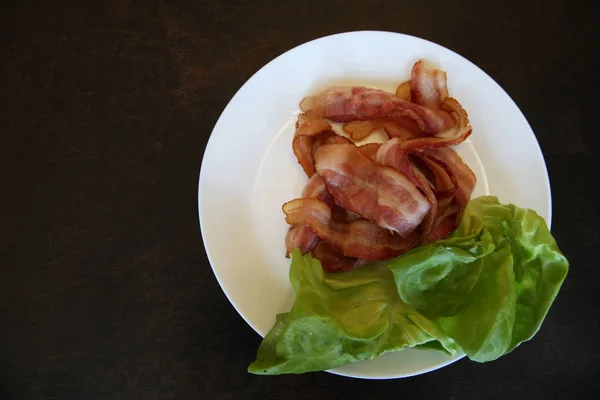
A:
376,201
428,86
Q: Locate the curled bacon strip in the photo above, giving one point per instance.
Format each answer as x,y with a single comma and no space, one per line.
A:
308,126
358,239
451,137
453,182
465,178
301,236
380,194
392,154
343,104
444,187
428,86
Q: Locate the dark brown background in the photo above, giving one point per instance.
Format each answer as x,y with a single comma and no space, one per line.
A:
105,110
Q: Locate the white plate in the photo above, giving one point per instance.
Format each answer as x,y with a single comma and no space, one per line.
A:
249,170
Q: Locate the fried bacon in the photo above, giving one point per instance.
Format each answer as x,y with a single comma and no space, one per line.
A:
450,137
378,193
301,236
454,182
392,154
465,178
308,126
358,239
376,201
343,104
427,86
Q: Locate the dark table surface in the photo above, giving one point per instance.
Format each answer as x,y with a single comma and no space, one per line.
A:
105,111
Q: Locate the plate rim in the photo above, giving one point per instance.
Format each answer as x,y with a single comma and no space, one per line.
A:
211,140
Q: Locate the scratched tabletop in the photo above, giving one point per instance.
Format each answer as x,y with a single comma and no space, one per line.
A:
105,111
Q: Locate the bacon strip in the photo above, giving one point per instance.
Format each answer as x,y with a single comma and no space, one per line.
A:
451,137
343,104
451,178
440,176
392,154
308,126
465,178
428,86
445,224
380,194
301,236
331,258
444,185
358,239
454,182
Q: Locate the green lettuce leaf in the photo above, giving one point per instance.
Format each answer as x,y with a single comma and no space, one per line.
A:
484,290
489,285
342,318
